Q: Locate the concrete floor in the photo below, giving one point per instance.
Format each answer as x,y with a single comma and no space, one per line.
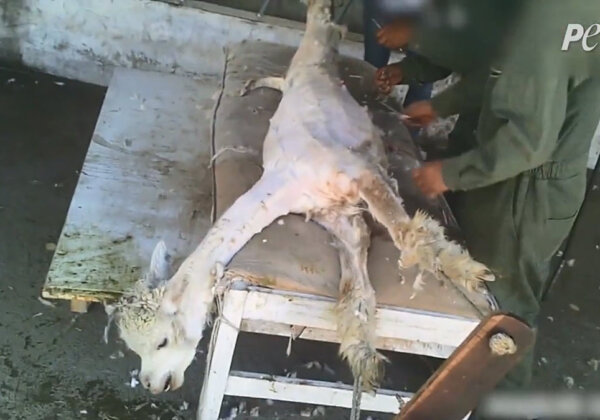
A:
53,364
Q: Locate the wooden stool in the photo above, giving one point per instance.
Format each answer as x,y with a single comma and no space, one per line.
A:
299,315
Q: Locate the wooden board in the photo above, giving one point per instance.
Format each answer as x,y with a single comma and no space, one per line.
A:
146,177
471,372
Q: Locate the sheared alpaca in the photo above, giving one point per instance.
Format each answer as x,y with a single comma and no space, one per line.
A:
322,157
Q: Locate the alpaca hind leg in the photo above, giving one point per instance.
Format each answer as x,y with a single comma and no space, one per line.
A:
420,239
356,306
271,82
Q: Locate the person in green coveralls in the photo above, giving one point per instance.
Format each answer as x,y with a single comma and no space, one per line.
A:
519,178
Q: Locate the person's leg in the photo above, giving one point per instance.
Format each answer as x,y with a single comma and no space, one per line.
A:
511,228
417,92
489,219
375,54
486,219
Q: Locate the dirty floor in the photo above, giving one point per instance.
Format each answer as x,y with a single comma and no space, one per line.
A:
54,365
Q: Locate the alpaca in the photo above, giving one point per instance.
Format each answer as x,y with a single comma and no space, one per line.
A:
322,157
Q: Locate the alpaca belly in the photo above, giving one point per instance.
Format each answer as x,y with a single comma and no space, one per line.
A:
328,113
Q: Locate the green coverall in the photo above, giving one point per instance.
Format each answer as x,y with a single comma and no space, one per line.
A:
523,180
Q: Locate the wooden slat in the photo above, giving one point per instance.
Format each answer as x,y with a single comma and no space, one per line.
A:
280,388
145,178
316,334
420,326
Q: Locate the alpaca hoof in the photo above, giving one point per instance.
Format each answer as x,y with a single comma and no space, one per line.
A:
248,86
365,361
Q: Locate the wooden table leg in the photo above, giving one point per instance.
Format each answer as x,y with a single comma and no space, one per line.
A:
79,306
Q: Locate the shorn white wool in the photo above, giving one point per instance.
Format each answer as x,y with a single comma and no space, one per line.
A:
322,157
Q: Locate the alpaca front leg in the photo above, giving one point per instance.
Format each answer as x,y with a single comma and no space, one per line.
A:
271,82
420,239
356,306
190,292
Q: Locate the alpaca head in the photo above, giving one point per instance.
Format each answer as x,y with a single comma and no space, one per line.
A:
155,333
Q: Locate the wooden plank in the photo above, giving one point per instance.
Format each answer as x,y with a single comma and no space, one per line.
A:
472,371
316,334
146,177
398,323
280,388
221,353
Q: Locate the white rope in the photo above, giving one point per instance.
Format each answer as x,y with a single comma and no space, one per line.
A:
111,318
220,290
502,345
222,287
238,149
356,398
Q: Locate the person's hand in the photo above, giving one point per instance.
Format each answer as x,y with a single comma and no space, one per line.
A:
419,114
395,35
387,77
429,179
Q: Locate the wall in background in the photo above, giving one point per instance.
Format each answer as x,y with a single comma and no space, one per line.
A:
11,29
295,10
86,40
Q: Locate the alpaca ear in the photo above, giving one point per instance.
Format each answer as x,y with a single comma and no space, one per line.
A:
160,267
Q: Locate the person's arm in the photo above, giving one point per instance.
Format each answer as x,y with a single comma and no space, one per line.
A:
526,112
463,96
466,95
